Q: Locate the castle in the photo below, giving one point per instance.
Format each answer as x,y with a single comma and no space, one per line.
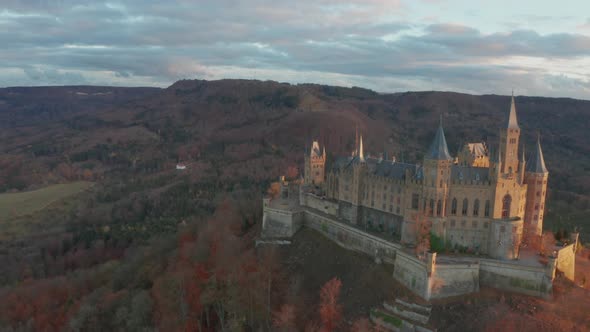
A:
477,201
486,203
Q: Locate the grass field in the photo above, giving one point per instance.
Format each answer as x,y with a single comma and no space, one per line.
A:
14,205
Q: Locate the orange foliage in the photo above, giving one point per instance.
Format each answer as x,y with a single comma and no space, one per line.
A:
274,190
423,226
330,309
284,319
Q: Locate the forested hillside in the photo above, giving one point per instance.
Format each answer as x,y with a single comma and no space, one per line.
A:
147,246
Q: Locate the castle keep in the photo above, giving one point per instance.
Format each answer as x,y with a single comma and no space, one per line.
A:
489,204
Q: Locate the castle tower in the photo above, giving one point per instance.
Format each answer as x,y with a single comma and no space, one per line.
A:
359,171
315,163
536,177
509,137
437,175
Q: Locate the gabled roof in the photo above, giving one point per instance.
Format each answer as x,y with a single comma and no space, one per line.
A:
478,149
537,162
438,149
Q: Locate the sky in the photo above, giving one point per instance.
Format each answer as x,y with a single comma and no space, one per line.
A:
538,48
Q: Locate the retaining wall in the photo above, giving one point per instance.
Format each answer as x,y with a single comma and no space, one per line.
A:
352,238
530,280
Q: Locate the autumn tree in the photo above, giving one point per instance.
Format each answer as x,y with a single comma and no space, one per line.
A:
423,226
274,190
547,243
284,318
292,172
330,308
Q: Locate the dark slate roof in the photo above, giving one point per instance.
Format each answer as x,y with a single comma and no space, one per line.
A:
378,167
466,173
438,149
537,163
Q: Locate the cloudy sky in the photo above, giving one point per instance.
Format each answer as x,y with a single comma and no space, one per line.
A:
386,45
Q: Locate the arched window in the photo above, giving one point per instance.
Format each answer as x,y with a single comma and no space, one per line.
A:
438,207
454,207
476,207
465,207
506,201
486,212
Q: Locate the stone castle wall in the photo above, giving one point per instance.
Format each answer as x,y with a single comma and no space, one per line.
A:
443,278
511,276
566,261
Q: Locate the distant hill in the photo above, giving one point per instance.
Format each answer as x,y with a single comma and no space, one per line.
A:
253,130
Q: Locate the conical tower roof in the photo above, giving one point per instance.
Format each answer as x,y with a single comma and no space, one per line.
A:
439,149
512,121
537,163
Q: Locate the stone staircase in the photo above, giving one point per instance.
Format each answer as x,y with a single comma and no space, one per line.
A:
402,316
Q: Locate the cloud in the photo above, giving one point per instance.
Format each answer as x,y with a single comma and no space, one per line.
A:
380,44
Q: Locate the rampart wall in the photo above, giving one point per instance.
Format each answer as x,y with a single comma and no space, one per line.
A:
446,277
512,276
566,261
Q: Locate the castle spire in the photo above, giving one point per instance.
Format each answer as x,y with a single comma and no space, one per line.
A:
439,149
356,140
537,164
361,153
512,121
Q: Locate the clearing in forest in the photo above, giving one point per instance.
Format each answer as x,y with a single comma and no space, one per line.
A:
25,203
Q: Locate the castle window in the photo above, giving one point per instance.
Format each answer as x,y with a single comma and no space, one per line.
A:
431,207
441,183
476,207
506,201
438,207
465,207
538,193
454,207
415,199
486,212
536,206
